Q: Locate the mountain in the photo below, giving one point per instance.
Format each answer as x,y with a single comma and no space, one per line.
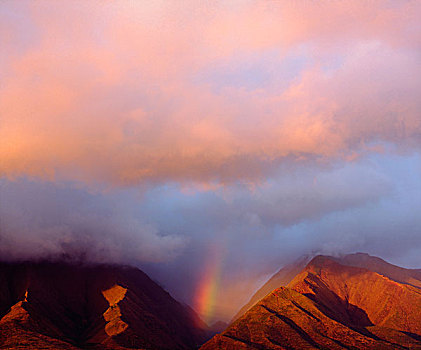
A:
375,264
49,305
279,279
333,305
372,263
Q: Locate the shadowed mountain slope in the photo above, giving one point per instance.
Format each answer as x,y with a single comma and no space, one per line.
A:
61,306
330,306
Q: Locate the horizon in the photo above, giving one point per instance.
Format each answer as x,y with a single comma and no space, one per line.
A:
210,144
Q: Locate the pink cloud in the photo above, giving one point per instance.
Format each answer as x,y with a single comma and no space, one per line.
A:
106,93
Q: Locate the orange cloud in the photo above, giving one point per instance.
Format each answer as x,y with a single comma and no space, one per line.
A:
109,93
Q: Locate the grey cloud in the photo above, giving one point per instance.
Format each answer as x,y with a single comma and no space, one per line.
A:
43,220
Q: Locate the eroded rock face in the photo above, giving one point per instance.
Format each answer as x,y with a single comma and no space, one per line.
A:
330,306
63,306
115,325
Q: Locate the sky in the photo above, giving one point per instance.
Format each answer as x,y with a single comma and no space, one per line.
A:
209,143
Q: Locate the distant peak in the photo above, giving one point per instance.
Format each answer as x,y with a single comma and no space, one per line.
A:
320,260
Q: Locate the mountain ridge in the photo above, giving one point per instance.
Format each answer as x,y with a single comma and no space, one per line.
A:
289,271
282,277
329,305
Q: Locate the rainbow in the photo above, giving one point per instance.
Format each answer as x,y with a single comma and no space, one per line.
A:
207,289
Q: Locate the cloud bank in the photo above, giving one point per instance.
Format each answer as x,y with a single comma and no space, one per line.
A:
40,220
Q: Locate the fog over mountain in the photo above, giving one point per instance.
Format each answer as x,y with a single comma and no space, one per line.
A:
210,144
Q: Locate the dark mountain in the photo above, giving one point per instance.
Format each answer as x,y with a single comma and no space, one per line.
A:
63,306
331,305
